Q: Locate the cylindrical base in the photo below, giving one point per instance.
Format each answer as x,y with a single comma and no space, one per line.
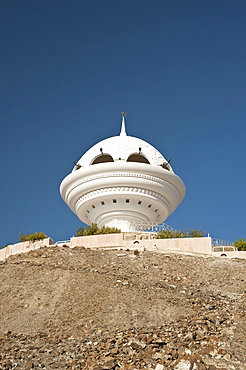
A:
123,220
121,194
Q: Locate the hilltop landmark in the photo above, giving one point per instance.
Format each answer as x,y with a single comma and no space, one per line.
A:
122,181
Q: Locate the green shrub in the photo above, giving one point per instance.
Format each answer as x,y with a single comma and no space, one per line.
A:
193,233
4,246
109,230
164,234
179,234
240,244
169,234
32,237
80,231
94,230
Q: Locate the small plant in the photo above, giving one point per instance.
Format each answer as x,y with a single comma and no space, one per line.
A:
109,230
5,246
169,234
193,233
240,244
32,237
90,230
164,234
94,230
179,234
136,252
80,231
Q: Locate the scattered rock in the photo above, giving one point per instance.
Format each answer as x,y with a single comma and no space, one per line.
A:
159,367
88,309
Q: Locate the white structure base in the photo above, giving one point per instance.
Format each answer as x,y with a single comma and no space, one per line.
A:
120,194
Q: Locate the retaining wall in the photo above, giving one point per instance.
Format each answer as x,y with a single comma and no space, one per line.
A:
230,254
23,247
193,245
132,241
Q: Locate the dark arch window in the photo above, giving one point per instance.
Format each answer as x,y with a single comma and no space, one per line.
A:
137,158
103,158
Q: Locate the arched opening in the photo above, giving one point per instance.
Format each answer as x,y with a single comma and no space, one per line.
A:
137,158
102,159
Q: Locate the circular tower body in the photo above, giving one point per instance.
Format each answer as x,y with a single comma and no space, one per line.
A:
121,182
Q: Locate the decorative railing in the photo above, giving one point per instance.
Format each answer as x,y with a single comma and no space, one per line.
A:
63,242
150,227
219,242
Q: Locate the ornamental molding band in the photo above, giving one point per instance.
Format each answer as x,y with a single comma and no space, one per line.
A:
122,174
124,190
122,181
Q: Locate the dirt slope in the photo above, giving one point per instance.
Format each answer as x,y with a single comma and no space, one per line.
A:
67,308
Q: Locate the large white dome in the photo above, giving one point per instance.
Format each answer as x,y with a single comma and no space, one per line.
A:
125,148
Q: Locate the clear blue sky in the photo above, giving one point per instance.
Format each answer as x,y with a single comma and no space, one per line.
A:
68,68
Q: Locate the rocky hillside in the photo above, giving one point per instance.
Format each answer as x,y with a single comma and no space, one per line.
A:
76,308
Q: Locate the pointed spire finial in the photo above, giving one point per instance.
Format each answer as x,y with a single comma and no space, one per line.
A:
123,126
